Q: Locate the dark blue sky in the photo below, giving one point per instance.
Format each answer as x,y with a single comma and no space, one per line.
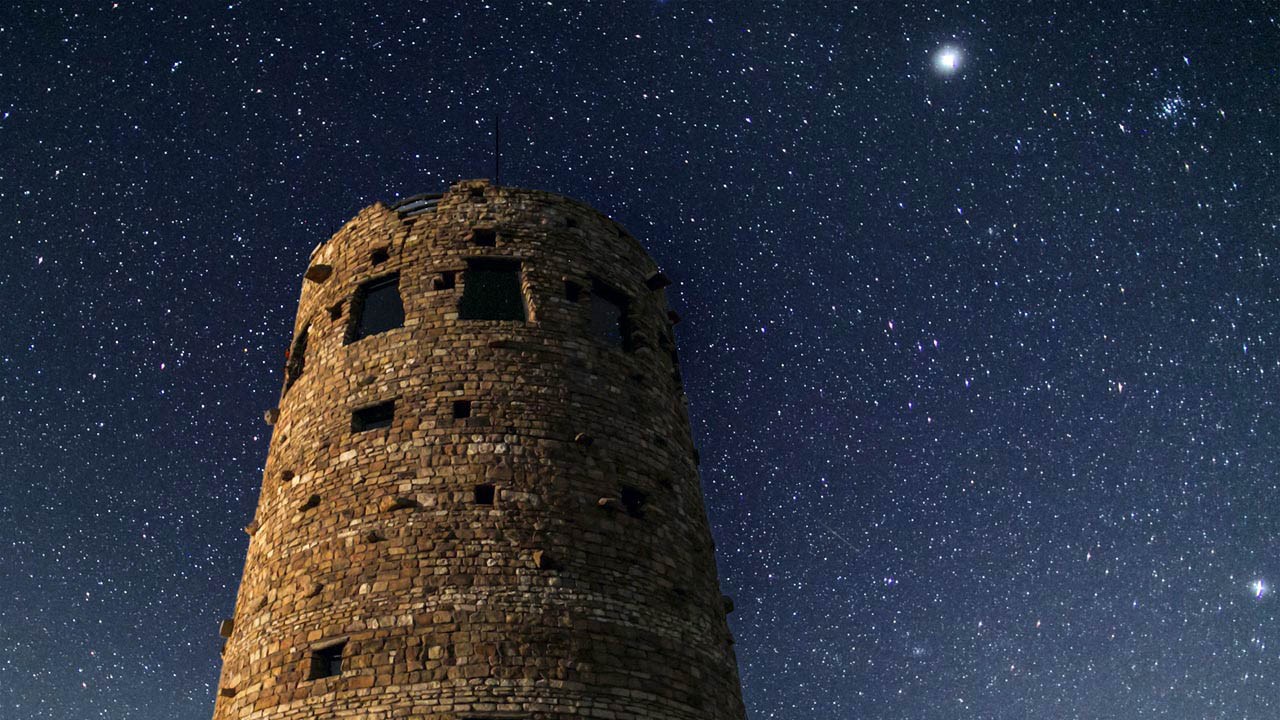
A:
983,363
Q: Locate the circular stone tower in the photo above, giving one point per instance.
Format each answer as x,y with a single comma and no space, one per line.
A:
481,499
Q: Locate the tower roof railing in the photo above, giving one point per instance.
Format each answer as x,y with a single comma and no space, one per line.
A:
417,204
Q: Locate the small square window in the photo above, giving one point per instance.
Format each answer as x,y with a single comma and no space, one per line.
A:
461,409
484,237
379,256
572,291
491,291
376,308
326,661
446,280
485,494
373,417
633,501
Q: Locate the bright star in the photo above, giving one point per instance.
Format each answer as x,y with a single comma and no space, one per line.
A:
947,59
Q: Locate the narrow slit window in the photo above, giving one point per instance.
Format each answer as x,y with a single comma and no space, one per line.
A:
609,321
461,409
485,494
633,501
376,308
484,237
326,661
373,417
491,291
297,359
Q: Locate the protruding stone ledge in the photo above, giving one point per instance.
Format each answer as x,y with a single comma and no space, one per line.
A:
657,281
319,272
398,502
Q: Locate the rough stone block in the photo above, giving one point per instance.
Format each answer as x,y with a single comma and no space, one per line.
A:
318,273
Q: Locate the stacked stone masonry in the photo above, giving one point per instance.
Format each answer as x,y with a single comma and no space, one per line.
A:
526,538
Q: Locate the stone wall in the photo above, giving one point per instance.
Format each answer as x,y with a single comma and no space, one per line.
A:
587,589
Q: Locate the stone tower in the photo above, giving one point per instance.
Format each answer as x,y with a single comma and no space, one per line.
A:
481,499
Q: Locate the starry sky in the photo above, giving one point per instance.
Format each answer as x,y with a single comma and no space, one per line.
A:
980,321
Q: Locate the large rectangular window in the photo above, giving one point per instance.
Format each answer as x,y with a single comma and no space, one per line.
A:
297,359
609,320
376,308
491,291
373,417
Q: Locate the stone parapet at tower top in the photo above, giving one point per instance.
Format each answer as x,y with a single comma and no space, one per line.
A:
481,498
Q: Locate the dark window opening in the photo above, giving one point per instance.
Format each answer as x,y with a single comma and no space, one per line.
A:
491,291
376,308
609,320
485,494
373,417
572,291
297,359
326,661
633,501
447,280
335,310
571,222
485,237
461,409
477,194
286,476
379,256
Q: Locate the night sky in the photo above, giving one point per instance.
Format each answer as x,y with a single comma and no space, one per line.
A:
980,326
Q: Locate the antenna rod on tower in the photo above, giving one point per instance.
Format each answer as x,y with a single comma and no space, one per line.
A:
497,152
